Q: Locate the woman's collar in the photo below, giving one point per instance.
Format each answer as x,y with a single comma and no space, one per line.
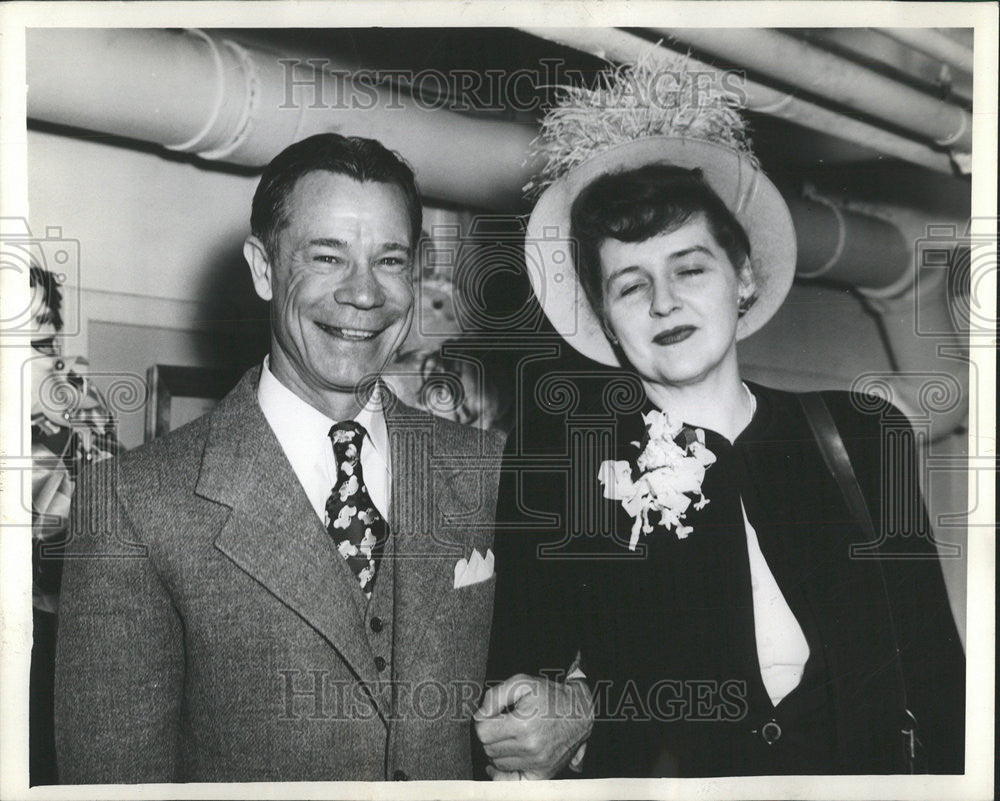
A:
758,423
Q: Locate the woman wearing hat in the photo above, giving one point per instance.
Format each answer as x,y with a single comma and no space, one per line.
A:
704,562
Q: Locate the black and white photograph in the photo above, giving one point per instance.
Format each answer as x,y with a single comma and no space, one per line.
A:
400,399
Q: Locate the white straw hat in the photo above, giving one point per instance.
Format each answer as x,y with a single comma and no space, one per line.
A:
611,145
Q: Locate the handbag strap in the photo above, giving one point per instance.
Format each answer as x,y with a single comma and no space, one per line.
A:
831,446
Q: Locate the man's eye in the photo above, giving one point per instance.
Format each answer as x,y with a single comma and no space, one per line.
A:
327,258
394,262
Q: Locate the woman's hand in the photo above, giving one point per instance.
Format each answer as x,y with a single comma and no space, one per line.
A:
532,727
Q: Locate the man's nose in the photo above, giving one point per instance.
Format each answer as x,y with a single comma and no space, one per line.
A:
664,299
360,289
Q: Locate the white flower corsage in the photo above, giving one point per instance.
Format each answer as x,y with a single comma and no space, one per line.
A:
670,477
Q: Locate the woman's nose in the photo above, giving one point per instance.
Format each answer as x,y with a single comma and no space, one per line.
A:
663,300
361,289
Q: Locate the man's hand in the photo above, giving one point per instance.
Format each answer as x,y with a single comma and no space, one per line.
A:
531,727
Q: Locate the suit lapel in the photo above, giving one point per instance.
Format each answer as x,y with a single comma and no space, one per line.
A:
272,532
424,491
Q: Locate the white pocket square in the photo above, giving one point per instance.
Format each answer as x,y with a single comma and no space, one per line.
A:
474,569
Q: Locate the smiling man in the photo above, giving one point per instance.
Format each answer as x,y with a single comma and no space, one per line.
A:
273,593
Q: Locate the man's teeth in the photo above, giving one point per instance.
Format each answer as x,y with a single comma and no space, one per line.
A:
349,333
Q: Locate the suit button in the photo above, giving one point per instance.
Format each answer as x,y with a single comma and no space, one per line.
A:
400,776
376,624
771,732
379,664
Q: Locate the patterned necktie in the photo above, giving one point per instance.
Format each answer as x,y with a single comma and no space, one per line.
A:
354,523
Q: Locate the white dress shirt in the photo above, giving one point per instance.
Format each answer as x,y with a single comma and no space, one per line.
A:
303,433
782,649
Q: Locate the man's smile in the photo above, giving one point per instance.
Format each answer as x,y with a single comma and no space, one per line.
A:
352,334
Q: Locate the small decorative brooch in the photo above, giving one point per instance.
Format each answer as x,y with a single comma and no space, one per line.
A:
670,477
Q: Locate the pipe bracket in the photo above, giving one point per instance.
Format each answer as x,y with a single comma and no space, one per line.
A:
963,127
241,131
220,92
838,250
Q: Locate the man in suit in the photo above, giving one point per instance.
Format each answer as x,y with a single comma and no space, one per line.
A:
293,586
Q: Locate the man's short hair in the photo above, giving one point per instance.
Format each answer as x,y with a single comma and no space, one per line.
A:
354,156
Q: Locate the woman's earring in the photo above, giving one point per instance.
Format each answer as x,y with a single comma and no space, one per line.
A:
745,301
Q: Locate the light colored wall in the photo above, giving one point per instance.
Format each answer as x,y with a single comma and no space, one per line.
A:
148,225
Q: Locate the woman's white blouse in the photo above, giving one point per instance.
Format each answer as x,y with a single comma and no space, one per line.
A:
782,649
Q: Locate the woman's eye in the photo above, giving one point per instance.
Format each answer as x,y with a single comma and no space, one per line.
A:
691,271
630,289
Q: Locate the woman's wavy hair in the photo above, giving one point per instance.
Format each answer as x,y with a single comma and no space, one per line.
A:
638,204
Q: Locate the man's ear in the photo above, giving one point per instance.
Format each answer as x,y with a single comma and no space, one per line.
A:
260,266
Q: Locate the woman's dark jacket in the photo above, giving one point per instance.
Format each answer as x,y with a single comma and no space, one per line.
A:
667,633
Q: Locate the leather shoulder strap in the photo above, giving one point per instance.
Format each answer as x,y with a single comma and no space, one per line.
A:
831,446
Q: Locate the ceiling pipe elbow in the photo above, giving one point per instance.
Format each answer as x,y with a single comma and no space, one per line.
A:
912,303
845,246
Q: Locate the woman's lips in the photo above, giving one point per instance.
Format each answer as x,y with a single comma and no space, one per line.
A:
350,334
674,335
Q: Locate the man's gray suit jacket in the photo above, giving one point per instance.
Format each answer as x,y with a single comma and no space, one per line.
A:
210,630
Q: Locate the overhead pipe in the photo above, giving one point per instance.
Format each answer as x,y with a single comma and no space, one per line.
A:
843,245
834,78
222,100
870,46
192,92
617,45
873,256
189,91
838,244
933,43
